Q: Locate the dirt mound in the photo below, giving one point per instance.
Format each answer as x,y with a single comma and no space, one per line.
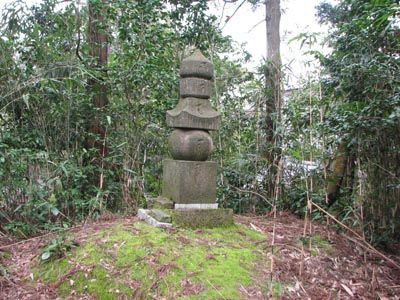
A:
323,265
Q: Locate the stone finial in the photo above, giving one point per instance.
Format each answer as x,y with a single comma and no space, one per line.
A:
196,74
194,109
193,116
198,66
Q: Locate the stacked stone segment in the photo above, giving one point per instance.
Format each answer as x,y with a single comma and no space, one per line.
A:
193,113
190,144
190,182
197,66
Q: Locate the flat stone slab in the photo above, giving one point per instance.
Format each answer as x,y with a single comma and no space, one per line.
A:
143,214
202,218
196,206
187,181
160,215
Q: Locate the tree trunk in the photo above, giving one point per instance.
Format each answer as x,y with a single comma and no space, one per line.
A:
338,169
273,91
98,51
97,87
273,19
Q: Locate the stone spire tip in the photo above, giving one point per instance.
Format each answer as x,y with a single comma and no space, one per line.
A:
197,65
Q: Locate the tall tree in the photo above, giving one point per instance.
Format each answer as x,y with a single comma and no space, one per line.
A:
97,86
273,91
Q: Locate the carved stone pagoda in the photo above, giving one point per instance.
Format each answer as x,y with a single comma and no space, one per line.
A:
189,180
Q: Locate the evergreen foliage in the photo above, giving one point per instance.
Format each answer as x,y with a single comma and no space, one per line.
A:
362,83
46,165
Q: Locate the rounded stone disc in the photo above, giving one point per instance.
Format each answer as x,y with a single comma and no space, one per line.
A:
187,144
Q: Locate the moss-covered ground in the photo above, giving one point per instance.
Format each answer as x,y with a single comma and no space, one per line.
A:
142,262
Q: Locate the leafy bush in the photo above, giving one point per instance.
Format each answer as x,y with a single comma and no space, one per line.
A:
57,248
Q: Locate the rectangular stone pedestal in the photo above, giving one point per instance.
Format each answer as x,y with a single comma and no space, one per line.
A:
190,182
200,218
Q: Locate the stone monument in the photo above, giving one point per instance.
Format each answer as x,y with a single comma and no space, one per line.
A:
189,180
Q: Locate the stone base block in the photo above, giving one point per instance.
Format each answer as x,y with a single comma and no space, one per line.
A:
202,218
189,181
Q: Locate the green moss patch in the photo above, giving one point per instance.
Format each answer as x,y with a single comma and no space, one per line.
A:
140,261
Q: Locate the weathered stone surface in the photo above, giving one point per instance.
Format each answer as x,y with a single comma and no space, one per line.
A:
189,181
160,215
194,113
197,65
159,202
200,218
190,144
195,87
143,214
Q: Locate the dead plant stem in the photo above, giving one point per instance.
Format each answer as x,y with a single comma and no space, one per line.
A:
252,192
360,240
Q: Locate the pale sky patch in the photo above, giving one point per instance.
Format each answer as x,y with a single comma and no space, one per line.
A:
248,26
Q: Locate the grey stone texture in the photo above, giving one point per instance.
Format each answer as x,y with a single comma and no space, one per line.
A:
194,108
200,218
194,113
143,214
193,218
189,181
160,215
195,87
197,65
190,144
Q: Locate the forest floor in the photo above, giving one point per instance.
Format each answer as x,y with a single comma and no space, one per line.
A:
123,258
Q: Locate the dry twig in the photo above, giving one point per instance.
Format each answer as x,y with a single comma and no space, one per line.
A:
361,242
